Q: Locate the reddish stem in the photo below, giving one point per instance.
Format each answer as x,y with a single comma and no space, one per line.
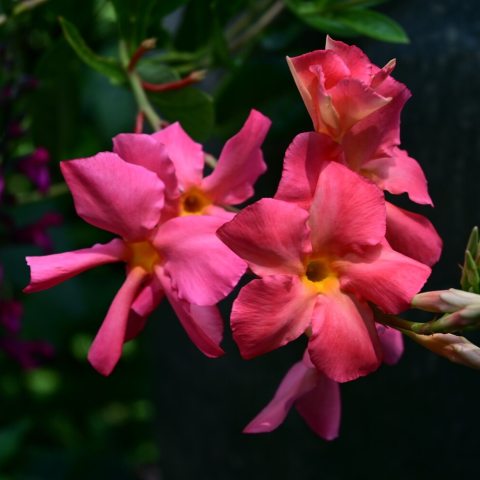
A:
194,77
144,47
139,122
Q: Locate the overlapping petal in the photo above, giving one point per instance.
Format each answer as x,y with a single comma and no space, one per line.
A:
202,268
50,270
399,173
240,163
382,276
269,313
203,325
347,211
344,344
392,344
186,155
321,407
146,151
305,158
271,235
413,235
114,195
299,380
106,348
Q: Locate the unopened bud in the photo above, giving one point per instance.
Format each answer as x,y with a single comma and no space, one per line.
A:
453,347
446,301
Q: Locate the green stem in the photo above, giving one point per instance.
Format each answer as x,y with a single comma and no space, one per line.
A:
273,11
139,94
438,325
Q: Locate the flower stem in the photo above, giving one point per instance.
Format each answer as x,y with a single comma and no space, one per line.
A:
141,98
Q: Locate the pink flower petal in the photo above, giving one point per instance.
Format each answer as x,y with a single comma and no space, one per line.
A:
144,150
399,173
114,195
307,77
148,298
413,235
355,60
321,407
347,211
203,325
305,158
203,269
50,270
377,134
186,155
353,101
269,313
382,276
240,163
392,343
344,343
298,381
106,349
271,235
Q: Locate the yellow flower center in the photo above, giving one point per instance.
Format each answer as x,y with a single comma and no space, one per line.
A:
193,202
143,254
320,276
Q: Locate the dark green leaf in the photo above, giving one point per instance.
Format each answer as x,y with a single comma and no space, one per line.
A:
153,70
189,106
106,66
373,24
329,25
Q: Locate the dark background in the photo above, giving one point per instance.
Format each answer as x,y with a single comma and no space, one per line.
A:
179,414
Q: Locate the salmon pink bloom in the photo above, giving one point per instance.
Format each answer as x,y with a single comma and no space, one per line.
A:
407,232
181,259
318,270
180,162
357,105
315,396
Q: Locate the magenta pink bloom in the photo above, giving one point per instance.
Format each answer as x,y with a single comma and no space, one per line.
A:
315,396
318,270
180,162
357,106
181,258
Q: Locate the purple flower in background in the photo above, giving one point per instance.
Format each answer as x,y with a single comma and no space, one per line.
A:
10,315
35,167
27,353
36,232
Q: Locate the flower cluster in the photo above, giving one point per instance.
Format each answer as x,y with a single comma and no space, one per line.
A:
328,251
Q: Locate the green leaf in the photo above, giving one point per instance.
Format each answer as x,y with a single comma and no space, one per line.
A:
373,24
472,245
106,66
189,106
329,25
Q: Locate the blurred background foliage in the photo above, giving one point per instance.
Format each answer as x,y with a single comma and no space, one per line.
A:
167,412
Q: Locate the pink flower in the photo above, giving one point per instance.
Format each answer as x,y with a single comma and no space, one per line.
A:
314,395
407,232
181,259
179,162
318,270
357,106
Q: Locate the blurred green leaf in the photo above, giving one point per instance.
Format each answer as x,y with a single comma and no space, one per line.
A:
373,24
106,66
189,106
